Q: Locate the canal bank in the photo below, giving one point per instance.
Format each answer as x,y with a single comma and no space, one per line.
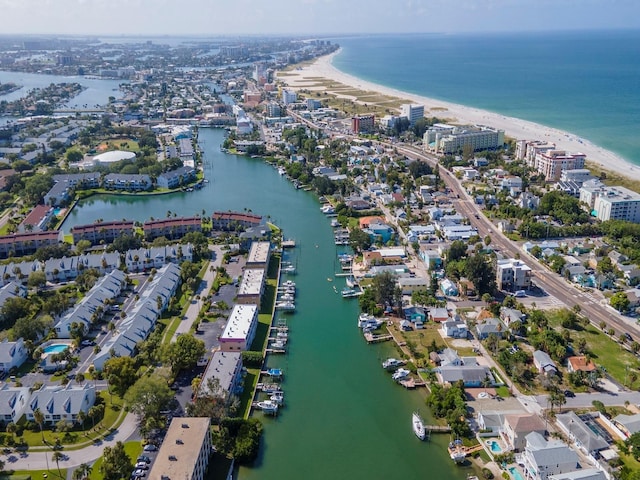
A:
344,416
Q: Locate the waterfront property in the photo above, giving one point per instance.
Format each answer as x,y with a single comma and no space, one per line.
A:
64,185
542,458
516,427
259,255
171,228
144,259
240,329
61,402
37,220
185,450
252,286
234,220
448,139
127,182
179,176
226,369
101,232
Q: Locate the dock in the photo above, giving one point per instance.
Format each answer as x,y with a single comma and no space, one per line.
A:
276,350
411,383
289,244
438,428
371,338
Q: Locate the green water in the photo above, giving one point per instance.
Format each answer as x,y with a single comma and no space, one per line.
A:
344,417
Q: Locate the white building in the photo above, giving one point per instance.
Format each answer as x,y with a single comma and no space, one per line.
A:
240,329
512,274
578,175
289,96
412,112
543,458
616,203
61,402
13,402
551,163
12,354
449,139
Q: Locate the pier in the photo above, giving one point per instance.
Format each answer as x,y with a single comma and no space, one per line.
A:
371,338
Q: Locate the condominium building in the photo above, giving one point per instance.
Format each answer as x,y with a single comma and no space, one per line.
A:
225,369
234,220
527,150
616,203
98,232
448,139
185,451
19,244
240,329
289,96
171,228
512,275
578,175
274,110
259,254
551,163
363,123
252,286
412,112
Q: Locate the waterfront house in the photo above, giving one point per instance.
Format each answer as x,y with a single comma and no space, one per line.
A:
517,426
582,474
176,178
542,361
415,314
542,458
101,232
127,182
13,403
61,402
471,374
12,354
171,228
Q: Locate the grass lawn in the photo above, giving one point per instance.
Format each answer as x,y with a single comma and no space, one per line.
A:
34,474
423,338
606,352
250,381
119,144
503,392
133,449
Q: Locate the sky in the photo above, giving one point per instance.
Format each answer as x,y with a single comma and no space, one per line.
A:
310,17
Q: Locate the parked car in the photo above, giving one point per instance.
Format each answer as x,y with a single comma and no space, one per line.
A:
139,473
150,448
143,458
142,465
569,394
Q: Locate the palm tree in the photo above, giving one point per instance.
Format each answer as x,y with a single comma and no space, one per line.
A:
82,472
38,417
11,428
56,457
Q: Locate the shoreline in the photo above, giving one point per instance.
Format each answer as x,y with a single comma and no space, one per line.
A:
513,127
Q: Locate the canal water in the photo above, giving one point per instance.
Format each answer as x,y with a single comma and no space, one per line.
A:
344,416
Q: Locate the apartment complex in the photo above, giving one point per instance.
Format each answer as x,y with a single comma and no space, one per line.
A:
185,451
551,163
99,232
612,203
363,123
512,275
259,255
449,139
240,329
171,228
234,220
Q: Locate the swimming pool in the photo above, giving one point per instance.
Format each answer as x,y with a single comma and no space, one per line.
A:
495,446
515,473
55,348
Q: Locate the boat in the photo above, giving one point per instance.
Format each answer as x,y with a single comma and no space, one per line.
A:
335,223
327,209
282,171
269,387
290,269
400,374
457,451
289,284
278,344
351,292
275,372
277,398
286,306
268,406
369,322
351,282
418,426
287,297
392,363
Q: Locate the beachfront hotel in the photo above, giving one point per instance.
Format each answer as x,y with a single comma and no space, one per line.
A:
613,203
412,112
449,139
185,451
551,163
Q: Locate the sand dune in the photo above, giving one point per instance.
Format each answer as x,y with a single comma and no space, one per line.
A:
513,127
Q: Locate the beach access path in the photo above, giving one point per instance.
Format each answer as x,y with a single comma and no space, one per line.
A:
306,76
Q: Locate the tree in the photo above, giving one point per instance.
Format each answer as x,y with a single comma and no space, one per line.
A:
56,457
184,353
74,156
13,309
557,398
37,279
121,373
38,417
82,472
457,250
480,271
385,290
116,464
619,301
359,240
148,397
82,245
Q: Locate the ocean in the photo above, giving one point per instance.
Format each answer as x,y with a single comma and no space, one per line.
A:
585,83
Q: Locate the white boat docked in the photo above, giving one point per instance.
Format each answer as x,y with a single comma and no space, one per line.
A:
288,284
400,374
392,363
268,406
282,171
286,306
418,426
457,452
277,398
351,292
369,322
327,209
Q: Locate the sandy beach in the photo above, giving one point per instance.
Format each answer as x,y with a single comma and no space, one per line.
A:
513,127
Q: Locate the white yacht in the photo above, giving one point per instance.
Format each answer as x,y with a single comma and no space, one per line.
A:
400,374
392,363
268,406
418,426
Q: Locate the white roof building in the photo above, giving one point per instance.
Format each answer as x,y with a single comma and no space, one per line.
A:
240,329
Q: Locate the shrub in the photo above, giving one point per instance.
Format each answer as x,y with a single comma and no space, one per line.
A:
486,473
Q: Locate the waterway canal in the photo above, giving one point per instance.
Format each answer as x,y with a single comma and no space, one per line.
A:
344,417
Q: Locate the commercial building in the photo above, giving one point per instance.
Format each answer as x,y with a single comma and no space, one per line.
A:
363,123
259,255
412,112
551,163
512,275
240,329
616,203
449,139
252,286
185,451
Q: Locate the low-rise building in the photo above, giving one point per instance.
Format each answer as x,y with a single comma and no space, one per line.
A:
61,402
259,255
542,361
513,275
580,363
12,354
490,326
225,370
517,426
176,178
101,232
580,434
240,329
171,228
127,182
454,329
13,403
185,451
628,424
37,220
252,286
543,458
227,221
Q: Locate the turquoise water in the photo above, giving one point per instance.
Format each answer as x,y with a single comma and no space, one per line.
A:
515,473
581,82
495,446
55,348
344,416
